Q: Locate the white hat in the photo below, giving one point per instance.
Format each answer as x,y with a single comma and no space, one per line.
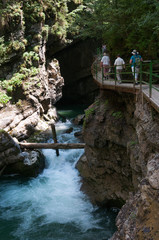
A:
134,51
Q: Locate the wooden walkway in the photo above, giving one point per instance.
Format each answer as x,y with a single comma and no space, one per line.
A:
129,88
154,100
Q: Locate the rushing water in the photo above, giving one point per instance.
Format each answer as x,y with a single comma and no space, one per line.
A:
51,206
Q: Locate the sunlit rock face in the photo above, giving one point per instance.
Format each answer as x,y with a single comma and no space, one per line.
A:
120,165
15,161
22,118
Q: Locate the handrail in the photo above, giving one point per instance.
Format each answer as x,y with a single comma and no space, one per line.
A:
148,70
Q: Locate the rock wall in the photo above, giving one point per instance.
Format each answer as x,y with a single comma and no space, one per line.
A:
32,84
120,165
15,161
24,117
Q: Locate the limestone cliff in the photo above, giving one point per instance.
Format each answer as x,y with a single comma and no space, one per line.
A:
120,164
29,84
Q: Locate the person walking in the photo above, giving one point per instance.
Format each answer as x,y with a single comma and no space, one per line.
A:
135,64
119,64
104,48
105,64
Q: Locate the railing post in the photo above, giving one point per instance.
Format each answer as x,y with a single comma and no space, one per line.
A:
115,75
102,75
96,69
134,76
140,76
150,80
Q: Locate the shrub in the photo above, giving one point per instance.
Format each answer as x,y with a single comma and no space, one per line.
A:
4,98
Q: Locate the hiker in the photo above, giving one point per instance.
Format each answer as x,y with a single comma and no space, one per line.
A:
135,64
119,64
104,48
105,64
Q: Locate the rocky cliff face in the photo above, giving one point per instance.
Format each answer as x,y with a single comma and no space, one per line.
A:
34,100
120,164
29,85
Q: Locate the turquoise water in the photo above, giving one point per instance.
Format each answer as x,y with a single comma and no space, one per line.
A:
72,110
51,206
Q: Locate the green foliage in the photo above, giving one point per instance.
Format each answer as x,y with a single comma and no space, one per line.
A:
4,98
18,45
30,58
6,48
117,115
97,102
2,131
11,13
123,25
88,113
19,103
34,11
3,49
14,82
133,143
106,102
45,31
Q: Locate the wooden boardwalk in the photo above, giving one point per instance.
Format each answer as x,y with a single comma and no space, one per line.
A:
154,99
111,84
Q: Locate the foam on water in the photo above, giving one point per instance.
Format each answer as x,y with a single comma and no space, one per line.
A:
50,206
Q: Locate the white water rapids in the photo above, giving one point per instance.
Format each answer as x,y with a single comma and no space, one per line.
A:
51,206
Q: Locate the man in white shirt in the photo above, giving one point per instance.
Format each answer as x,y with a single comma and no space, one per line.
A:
105,64
119,64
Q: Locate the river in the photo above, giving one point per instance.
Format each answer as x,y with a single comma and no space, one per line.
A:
51,206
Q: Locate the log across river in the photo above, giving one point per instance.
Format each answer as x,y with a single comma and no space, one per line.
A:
52,145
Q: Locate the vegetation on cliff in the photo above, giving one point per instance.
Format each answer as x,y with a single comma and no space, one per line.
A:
25,27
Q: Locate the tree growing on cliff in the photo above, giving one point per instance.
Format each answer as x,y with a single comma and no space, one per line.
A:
123,25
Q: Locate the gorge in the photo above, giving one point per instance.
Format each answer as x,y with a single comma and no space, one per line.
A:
42,196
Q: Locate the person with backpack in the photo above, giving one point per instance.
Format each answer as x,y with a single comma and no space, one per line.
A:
135,64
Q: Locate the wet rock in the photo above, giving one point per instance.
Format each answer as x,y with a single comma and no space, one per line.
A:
79,119
10,151
14,161
69,130
31,166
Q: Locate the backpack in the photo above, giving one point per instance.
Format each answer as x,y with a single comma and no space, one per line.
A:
137,60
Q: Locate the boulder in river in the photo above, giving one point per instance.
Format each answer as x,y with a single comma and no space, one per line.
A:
14,161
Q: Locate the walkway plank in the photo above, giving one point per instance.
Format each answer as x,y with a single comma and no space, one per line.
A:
112,85
154,100
129,88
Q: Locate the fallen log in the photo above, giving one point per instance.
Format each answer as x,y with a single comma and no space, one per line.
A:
52,145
